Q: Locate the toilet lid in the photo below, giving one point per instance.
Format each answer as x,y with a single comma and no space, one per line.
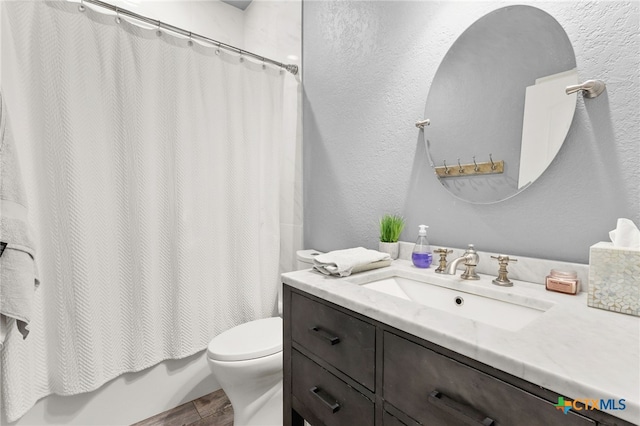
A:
250,340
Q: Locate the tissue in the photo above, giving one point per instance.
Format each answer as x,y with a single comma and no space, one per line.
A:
614,271
626,234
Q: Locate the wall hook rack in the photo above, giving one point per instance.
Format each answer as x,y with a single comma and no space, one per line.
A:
470,169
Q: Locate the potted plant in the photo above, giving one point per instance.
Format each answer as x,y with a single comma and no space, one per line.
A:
391,227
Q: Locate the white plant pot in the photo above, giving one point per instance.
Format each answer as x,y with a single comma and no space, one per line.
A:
391,248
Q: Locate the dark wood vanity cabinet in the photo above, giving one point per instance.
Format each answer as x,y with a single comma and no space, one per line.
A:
341,340
342,368
437,390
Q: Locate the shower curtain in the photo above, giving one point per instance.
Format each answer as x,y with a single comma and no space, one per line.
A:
151,165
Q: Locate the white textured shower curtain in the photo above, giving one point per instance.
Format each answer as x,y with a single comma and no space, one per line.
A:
151,167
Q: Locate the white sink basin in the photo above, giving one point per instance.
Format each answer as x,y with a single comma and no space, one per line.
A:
506,311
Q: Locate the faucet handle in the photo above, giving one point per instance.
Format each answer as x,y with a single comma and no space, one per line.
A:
503,258
443,252
503,261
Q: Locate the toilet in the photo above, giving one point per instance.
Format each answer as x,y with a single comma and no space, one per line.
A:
247,362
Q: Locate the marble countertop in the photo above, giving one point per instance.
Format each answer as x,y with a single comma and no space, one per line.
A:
572,349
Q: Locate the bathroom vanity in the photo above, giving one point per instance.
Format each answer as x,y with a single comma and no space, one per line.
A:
354,355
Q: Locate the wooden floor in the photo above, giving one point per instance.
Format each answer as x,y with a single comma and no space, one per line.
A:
210,410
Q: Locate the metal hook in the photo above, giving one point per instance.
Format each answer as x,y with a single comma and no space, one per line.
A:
446,169
476,168
82,7
218,50
420,124
190,42
590,88
159,30
493,165
118,20
460,169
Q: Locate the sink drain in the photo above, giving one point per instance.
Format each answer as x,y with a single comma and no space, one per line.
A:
459,301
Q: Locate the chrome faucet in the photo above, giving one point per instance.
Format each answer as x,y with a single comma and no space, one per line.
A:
470,259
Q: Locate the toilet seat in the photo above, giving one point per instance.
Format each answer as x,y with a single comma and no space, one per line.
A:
246,341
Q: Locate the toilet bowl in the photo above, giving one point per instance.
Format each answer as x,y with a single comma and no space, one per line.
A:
247,362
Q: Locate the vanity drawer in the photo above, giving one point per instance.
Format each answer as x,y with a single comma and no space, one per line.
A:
391,420
436,390
343,341
330,399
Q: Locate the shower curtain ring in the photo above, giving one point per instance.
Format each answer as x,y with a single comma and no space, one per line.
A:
190,42
264,66
82,8
218,50
159,30
118,20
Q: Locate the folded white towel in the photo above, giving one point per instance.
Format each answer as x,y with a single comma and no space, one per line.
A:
18,271
343,262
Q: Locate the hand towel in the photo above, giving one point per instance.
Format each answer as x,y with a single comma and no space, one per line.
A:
18,271
343,262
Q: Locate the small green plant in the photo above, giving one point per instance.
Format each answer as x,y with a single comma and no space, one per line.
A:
391,227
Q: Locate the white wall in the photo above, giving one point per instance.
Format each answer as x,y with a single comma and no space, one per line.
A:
274,31
1,1
284,46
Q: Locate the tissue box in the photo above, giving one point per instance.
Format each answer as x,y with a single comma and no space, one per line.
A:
614,278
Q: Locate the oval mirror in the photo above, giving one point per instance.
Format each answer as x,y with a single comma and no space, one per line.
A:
497,106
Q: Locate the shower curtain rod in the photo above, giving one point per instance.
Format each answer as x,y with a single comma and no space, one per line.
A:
293,69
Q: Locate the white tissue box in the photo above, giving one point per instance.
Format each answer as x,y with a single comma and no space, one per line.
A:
614,278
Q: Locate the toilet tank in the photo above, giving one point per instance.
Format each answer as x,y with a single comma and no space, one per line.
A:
304,258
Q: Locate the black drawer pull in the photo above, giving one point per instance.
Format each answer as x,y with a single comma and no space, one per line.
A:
326,399
464,413
321,334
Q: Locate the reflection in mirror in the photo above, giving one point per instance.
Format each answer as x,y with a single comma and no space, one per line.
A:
548,112
500,90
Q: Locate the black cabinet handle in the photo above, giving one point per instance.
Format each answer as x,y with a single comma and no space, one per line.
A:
322,334
326,399
463,412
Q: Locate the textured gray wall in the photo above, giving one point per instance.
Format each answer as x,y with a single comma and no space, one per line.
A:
367,68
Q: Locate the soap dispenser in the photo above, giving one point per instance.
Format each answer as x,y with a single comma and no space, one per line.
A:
422,255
